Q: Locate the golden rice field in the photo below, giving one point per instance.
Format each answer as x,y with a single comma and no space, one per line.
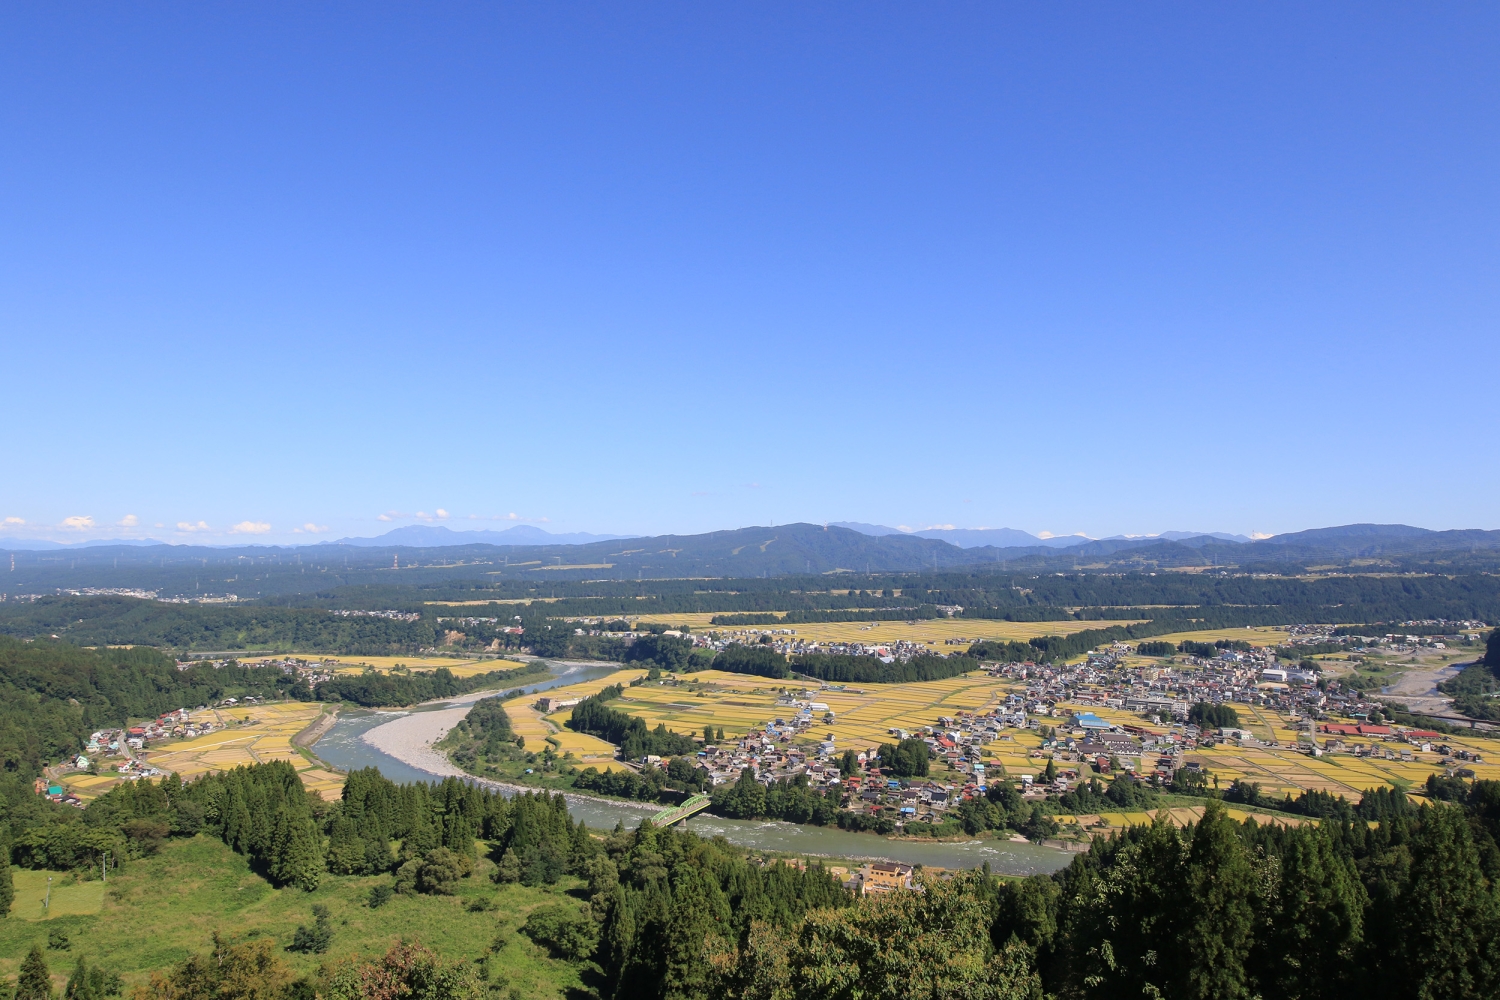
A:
1283,769
865,714
933,631
459,667
1265,636
267,736
590,750
1179,816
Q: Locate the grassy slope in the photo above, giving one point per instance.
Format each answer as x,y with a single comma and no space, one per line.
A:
160,909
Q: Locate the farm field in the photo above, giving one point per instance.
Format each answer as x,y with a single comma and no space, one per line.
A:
536,728
459,667
1263,636
157,910
935,630
267,736
1178,815
865,714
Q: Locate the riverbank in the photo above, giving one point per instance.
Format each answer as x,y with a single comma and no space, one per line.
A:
401,744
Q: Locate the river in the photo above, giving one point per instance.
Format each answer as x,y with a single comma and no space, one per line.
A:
399,744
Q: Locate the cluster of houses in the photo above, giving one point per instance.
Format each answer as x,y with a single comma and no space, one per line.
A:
312,671
783,640
395,616
1166,691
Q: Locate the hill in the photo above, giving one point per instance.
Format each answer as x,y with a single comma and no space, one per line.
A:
436,535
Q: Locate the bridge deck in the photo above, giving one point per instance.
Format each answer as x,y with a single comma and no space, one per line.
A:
677,814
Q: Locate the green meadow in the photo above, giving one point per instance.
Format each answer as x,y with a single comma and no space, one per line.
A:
160,909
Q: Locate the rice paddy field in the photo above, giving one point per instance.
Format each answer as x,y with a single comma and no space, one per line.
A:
934,631
460,667
252,734
866,714
1265,636
536,728
1178,815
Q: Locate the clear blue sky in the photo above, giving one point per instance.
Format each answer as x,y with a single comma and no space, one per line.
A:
676,267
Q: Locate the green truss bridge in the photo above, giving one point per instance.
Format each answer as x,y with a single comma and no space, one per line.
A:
677,814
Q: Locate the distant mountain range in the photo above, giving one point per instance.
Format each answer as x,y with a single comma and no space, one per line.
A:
44,545
430,553
1011,538
428,536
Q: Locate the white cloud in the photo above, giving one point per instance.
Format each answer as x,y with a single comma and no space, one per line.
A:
384,517
78,522
13,522
1045,534
128,521
1258,535
188,526
314,529
250,528
442,514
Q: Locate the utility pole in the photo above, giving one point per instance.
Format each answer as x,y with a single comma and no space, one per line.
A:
47,899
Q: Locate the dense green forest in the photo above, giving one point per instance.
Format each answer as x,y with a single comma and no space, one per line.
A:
628,732
1383,899
373,689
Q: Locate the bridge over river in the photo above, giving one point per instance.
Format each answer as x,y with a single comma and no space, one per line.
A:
677,814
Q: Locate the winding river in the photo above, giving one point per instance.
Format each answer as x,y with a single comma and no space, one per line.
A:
399,743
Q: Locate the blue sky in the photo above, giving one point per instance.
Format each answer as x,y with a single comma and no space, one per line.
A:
677,267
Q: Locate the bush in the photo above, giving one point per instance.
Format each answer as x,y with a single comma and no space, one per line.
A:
565,931
380,895
316,939
435,873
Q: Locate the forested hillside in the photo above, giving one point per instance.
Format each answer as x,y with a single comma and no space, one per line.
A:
1408,907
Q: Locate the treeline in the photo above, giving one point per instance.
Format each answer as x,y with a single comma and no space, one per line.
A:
373,689
594,717
1050,648
873,670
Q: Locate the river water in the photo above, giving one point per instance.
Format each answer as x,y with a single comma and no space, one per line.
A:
389,741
